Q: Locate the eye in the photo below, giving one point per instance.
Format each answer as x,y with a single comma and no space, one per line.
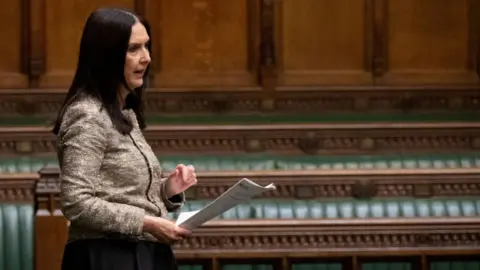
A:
132,48
147,45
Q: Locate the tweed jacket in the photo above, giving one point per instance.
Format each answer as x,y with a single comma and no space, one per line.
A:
109,181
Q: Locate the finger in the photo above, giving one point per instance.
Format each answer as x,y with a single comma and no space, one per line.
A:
192,178
185,173
191,167
192,182
182,171
181,232
180,166
174,173
163,238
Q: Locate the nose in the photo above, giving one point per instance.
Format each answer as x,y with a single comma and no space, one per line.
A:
145,59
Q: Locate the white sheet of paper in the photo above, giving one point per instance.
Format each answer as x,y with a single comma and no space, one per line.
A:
243,191
184,216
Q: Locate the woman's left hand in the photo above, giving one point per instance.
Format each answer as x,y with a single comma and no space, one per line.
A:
180,180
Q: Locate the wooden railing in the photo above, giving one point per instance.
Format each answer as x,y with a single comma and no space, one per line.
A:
347,138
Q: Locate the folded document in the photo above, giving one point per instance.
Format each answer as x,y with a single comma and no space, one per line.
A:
243,191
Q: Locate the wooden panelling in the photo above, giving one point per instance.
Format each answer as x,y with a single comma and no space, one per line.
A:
63,25
310,56
204,43
11,75
51,234
322,42
429,42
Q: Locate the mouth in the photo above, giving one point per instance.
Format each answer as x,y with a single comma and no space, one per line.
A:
139,72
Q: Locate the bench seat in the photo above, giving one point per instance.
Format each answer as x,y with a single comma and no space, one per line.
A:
261,162
347,208
436,265
17,226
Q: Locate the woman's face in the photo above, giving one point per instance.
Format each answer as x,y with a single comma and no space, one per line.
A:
138,56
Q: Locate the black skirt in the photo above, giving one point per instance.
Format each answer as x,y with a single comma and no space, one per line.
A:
107,254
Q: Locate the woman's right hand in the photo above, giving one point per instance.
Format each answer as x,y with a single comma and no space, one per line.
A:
164,230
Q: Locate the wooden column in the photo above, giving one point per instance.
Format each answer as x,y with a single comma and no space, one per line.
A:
51,227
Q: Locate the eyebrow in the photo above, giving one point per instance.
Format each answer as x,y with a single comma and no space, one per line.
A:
138,43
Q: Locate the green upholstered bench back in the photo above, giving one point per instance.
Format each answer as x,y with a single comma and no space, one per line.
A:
347,208
247,267
372,265
256,162
16,236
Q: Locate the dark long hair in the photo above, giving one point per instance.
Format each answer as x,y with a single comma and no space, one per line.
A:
100,69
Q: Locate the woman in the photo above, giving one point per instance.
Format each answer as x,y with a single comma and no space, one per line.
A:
112,190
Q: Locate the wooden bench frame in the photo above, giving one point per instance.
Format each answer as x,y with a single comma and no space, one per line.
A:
331,237
285,101
351,138
282,240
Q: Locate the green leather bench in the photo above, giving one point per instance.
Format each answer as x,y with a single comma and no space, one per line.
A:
16,236
16,233
16,228
16,221
265,162
230,267
347,208
391,265
257,162
455,265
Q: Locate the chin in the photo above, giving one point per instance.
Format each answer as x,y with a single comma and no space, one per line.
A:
135,84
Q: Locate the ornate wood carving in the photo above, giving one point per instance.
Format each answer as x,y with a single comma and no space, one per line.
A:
51,227
47,189
380,32
318,183
17,188
364,189
203,35
25,35
140,6
267,44
474,36
325,100
344,183
225,238
37,40
276,139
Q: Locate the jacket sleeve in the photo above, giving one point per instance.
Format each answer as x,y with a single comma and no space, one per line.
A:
83,141
174,203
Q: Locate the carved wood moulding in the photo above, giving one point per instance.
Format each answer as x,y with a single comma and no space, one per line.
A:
46,102
276,139
251,238
17,187
307,184
310,184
